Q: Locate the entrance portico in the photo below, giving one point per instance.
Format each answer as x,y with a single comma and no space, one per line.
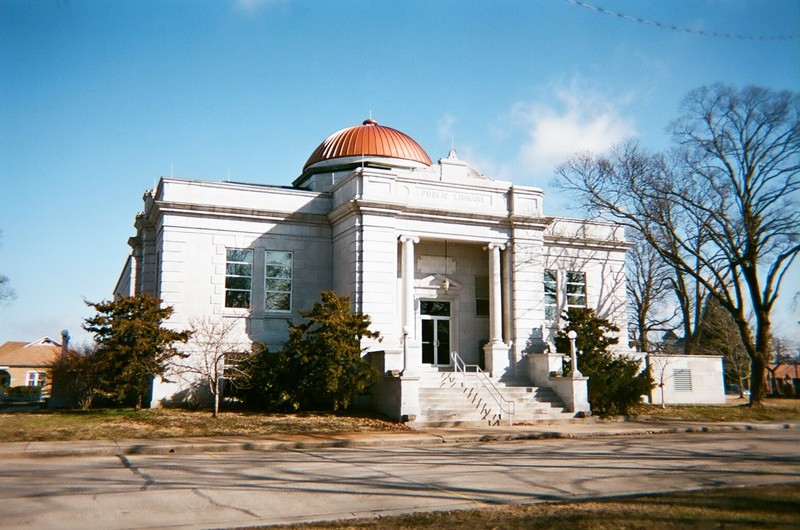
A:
452,300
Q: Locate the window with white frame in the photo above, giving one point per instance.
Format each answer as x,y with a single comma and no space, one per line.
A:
238,277
550,295
278,268
576,289
36,378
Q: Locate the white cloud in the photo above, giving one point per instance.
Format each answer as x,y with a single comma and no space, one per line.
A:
577,120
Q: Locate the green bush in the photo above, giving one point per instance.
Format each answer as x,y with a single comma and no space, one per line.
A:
78,375
30,394
616,383
133,344
320,366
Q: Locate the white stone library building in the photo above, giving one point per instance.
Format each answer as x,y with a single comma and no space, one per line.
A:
463,276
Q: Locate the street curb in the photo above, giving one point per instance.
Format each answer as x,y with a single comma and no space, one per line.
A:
184,446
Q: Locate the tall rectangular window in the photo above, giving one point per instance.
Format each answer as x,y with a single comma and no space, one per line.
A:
576,289
482,296
550,295
278,281
238,277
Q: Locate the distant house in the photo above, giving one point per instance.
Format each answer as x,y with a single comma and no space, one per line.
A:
28,363
783,378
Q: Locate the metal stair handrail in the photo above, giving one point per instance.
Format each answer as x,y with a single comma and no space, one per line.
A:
507,406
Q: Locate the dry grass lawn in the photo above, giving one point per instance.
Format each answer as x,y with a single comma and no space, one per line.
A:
736,410
168,423
18,426
730,508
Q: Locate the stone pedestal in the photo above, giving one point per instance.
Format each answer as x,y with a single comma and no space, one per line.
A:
412,357
574,392
541,365
496,358
544,369
409,397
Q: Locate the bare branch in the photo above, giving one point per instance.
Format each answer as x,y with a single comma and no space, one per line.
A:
724,212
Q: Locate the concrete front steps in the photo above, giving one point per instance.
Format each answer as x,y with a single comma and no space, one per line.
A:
455,399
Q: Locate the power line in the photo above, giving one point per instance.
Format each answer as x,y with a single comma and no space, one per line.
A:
681,29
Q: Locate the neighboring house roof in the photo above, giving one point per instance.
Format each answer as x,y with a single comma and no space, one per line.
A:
41,352
784,369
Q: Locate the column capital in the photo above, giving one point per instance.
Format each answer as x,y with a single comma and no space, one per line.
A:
409,239
492,246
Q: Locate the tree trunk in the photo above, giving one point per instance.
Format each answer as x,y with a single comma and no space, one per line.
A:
86,402
760,357
757,382
216,395
644,346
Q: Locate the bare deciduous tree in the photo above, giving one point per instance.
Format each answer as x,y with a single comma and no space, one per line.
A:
725,213
661,361
213,343
782,354
649,286
720,336
6,292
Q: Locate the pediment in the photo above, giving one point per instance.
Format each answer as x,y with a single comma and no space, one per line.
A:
436,281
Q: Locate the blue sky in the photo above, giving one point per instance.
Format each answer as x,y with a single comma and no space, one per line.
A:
99,98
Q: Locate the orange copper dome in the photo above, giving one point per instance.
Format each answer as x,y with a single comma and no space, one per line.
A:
369,139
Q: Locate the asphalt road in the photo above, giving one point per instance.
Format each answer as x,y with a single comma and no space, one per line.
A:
224,490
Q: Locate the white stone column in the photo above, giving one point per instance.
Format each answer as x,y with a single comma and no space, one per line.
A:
495,294
408,333
495,352
412,353
407,275
507,278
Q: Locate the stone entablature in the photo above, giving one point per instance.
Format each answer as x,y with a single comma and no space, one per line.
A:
407,195
566,231
235,199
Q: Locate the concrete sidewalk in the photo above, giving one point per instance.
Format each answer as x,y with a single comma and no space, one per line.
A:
587,429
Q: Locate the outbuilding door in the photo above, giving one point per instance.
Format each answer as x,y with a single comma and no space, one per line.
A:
435,317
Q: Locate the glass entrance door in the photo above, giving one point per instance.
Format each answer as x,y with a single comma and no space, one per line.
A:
435,332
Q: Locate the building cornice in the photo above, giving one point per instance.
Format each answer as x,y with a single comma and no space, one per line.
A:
405,213
232,213
587,244
530,223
